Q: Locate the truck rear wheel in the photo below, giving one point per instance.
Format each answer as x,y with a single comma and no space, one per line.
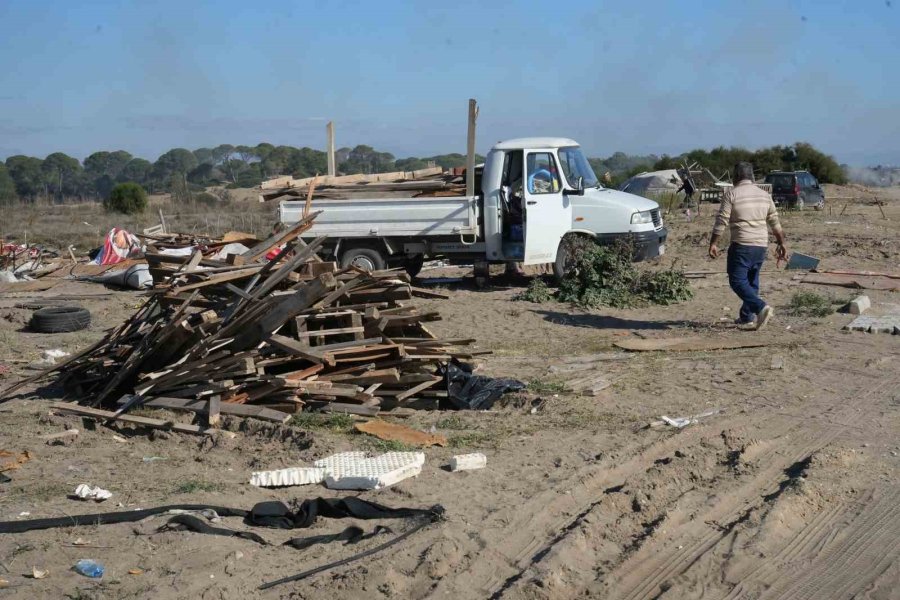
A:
364,258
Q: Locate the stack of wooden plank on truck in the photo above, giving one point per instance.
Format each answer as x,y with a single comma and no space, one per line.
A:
413,184
265,338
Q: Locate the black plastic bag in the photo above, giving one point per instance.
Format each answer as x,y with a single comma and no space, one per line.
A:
475,392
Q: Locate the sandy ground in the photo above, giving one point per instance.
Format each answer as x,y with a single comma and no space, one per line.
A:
789,492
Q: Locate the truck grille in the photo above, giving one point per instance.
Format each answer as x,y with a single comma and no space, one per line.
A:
657,220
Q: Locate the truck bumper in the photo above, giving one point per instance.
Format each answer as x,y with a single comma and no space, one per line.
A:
646,244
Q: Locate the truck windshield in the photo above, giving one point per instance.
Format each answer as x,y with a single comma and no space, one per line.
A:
575,165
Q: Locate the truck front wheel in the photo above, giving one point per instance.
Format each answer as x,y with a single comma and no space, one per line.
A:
364,258
565,255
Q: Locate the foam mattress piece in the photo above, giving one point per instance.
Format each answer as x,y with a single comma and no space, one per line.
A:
353,471
341,458
468,462
287,477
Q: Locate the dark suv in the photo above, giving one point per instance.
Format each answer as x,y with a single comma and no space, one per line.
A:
796,189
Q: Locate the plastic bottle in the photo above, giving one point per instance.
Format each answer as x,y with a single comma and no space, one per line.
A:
89,568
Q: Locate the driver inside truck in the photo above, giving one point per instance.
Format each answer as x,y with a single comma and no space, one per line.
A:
542,175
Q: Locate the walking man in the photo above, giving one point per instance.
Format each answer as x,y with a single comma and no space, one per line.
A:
748,211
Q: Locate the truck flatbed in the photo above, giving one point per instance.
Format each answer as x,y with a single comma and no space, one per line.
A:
377,217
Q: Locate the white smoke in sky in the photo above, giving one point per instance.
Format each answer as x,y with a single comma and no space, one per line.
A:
874,176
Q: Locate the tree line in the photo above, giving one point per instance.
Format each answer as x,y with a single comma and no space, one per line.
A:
721,160
60,177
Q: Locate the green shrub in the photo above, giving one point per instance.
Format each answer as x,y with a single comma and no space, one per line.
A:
606,276
537,291
128,198
810,304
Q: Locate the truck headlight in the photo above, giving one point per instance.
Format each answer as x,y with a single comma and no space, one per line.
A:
641,218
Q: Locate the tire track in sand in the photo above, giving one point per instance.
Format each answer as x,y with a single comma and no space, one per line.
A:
641,577
852,561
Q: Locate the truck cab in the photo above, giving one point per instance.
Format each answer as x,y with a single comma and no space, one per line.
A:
539,191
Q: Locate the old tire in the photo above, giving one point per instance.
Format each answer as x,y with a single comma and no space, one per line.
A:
60,319
364,258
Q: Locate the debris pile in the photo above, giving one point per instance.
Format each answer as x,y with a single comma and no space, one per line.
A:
266,338
21,262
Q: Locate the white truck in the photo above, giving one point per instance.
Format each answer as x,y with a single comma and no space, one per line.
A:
535,193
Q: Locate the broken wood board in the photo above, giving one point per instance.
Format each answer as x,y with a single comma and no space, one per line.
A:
105,415
290,182
863,273
590,385
37,285
863,282
688,344
202,406
393,432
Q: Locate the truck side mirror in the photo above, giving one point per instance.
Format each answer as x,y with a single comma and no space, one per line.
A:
579,188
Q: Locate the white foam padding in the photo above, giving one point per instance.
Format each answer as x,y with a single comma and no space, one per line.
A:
86,492
468,462
353,471
335,461
287,477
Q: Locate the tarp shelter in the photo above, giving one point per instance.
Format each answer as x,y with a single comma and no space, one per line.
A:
654,182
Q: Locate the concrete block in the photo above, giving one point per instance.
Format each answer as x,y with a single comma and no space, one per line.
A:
859,305
883,325
468,462
860,324
886,324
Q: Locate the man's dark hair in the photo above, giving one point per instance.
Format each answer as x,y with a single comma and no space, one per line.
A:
742,171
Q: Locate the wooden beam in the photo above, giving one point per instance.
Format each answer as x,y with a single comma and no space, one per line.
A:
470,148
201,406
291,346
105,415
329,131
215,402
261,249
309,194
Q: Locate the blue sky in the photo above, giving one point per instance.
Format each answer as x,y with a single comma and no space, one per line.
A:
637,76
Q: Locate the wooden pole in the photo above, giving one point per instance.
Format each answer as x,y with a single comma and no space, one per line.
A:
329,129
162,221
470,148
309,195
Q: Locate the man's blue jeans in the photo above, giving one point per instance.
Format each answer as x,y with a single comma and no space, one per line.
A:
744,264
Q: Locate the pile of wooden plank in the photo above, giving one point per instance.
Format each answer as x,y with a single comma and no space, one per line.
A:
266,338
414,184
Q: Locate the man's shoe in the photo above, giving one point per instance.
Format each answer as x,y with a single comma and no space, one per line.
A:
764,315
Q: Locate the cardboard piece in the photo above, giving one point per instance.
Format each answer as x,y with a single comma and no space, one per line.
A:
401,433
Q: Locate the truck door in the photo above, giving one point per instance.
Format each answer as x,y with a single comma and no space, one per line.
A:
548,212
